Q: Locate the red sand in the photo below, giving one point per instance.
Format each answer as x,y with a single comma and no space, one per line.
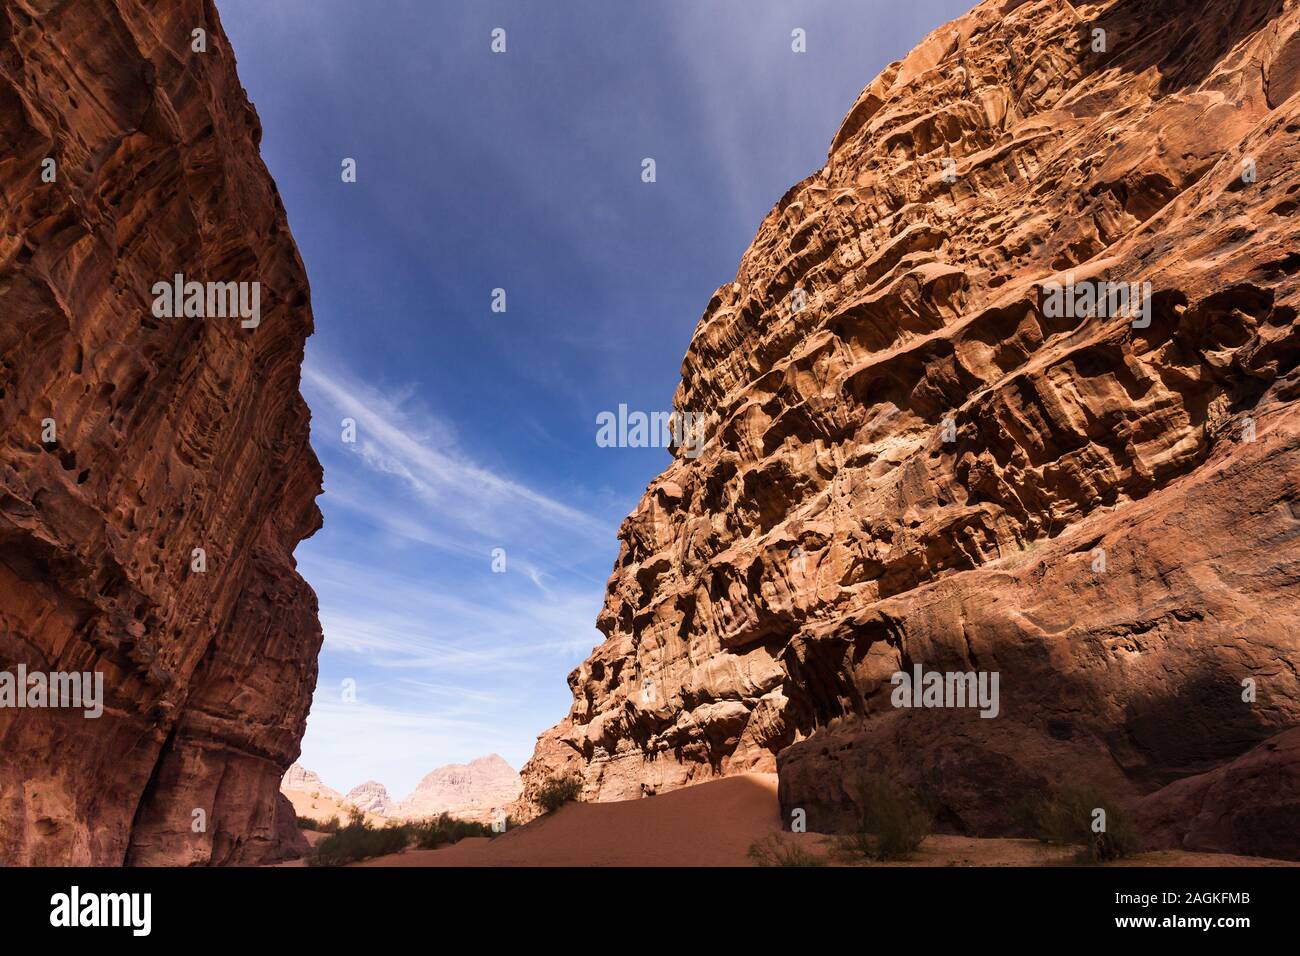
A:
712,824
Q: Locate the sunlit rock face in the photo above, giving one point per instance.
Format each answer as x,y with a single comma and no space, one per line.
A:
370,797
301,780
920,451
171,437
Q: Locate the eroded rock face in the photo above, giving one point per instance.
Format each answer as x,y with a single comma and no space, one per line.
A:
170,435
914,457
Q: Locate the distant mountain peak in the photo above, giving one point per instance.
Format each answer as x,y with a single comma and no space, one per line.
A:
299,778
372,797
470,790
474,790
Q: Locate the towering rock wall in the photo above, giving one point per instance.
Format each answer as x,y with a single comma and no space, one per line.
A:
168,435
916,457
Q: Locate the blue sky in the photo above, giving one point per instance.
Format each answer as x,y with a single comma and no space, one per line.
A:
476,430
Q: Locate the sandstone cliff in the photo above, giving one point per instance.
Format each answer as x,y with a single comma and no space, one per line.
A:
913,457
155,473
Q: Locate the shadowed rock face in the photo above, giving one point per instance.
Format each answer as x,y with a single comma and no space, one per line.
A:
1251,804
172,435
914,459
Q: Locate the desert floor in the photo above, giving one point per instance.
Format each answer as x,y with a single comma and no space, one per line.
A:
714,824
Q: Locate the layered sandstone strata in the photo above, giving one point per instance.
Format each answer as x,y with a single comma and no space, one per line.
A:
913,459
148,536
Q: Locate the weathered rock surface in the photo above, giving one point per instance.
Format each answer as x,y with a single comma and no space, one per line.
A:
1250,805
912,460
473,791
172,435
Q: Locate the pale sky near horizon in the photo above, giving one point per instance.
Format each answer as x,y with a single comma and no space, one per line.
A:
476,430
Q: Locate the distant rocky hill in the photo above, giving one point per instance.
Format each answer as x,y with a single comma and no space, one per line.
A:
370,797
472,791
310,796
298,777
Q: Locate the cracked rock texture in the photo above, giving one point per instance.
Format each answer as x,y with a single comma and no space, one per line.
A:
171,435
1114,526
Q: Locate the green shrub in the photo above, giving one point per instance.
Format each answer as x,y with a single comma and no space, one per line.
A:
557,791
892,822
1068,817
772,850
320,826
359,840
444,830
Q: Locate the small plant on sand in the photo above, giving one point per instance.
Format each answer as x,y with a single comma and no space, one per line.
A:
445,829
1083,817
772,850
891,824
359,840
557,791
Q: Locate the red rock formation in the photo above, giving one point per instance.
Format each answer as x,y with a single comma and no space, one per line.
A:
171,435
912,460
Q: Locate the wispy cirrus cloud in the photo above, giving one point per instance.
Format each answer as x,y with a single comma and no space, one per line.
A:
421,452
435,651
394,743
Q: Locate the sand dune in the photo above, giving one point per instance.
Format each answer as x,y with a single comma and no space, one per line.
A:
712,824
